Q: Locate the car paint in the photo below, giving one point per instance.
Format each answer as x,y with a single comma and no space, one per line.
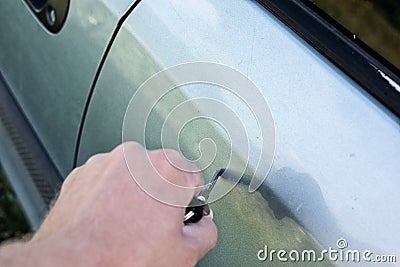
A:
50,74
335,171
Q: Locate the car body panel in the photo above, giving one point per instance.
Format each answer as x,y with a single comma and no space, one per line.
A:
335,171
50,74
120,7
336,146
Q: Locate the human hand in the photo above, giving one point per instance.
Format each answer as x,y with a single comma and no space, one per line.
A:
102,217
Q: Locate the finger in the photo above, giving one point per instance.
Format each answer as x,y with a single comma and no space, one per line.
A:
154,175
201,236
96,159
178,182
78,174
174,168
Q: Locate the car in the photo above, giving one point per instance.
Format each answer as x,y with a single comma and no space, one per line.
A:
301,113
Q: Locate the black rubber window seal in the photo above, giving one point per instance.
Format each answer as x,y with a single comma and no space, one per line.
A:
356,59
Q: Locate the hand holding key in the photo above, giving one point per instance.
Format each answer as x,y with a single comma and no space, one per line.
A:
102,217
198,207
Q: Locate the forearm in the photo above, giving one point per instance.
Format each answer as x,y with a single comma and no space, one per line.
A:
14,254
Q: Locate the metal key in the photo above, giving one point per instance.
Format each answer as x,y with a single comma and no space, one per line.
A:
198,207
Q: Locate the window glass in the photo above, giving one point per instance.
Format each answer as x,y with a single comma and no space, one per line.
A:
38,4
375,22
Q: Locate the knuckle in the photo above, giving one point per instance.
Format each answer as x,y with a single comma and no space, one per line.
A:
120,152
172,154
127,147
131,145
96,158
71,178
164,163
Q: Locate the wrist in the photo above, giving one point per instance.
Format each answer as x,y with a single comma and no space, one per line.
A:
15,254
34,253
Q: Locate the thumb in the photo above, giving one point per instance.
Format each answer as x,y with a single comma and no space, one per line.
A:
202,235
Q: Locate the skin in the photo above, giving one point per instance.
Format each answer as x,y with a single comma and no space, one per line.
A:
103,218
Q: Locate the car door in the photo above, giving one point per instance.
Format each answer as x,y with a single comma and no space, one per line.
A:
335,171
49,55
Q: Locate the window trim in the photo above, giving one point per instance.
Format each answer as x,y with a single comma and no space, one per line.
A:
361,63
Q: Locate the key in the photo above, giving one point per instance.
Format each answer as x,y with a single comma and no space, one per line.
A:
198,207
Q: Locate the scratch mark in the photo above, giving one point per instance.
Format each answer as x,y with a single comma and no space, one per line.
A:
252,50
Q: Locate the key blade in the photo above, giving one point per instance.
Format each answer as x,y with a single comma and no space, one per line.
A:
205,193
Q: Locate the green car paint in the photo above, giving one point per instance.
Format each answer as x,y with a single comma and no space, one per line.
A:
246,224
50,74
245,221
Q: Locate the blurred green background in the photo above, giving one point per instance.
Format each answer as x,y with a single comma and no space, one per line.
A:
376,22
12,220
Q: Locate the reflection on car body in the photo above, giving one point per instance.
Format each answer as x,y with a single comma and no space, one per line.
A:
335,170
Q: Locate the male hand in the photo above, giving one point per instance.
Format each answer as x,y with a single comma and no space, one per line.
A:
102,217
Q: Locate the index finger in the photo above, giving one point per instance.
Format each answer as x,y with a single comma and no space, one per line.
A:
163,174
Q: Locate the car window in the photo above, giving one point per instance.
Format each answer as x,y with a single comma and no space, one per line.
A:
375,22
38,4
